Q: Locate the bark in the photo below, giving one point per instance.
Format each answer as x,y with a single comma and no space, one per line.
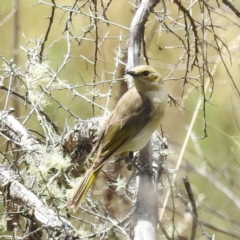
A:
37,211
12,130
145,224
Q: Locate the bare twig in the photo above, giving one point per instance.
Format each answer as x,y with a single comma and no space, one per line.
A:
194,207
232,7
47,32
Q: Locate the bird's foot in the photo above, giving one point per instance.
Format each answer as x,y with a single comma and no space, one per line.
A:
128,159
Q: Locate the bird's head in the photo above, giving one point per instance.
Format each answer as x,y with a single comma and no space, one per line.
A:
145,77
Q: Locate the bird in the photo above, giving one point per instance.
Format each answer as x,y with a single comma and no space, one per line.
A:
129,127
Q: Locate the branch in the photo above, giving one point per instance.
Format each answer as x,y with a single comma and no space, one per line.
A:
136,31
26,100
232,7
16,133
44,215
193,205
145,218
48,31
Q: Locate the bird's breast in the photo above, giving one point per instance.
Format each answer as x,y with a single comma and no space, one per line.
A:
158,101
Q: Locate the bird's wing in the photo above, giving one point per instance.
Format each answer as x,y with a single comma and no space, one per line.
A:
123,124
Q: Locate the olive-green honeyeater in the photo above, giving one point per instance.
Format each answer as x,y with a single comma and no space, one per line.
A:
137,115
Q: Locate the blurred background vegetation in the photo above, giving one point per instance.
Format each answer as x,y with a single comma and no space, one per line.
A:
86,52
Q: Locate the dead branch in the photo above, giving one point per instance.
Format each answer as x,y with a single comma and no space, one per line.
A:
145,223
45,216
12,130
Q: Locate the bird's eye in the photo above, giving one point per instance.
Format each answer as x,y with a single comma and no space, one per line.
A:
145,73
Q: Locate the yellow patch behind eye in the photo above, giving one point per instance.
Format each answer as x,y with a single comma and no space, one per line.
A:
152,78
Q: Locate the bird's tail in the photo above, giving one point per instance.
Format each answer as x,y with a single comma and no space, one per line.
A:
82,189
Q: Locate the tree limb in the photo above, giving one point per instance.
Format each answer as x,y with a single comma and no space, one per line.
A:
44,215
145,224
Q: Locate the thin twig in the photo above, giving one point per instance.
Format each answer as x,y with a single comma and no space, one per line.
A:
194,207
48,31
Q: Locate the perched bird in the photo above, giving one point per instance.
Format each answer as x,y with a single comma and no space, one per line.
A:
129,127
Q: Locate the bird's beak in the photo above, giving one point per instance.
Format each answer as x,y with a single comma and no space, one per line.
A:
131,73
